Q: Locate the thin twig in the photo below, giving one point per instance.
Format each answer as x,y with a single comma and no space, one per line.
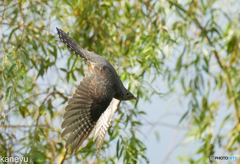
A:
64,157
39,113
21,23
2,19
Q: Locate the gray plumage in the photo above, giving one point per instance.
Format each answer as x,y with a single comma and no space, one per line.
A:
95,100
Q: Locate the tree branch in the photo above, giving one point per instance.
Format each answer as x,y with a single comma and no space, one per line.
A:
217,56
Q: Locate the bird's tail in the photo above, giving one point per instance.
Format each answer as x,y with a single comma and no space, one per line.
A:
71,44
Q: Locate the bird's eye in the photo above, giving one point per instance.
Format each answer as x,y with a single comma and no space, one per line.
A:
127,94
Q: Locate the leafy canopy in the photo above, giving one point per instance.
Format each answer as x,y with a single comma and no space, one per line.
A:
193,45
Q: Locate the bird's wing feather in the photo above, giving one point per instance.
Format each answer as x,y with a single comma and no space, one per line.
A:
104,122
91,99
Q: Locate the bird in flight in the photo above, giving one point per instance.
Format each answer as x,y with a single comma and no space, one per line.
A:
95,100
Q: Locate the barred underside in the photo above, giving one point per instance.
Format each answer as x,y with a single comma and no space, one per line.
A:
104,122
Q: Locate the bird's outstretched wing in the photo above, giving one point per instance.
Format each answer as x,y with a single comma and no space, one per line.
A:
91,99
104,122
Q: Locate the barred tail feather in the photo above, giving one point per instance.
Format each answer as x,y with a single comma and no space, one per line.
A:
71,44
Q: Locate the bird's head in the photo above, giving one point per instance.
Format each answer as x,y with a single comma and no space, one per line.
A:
127,95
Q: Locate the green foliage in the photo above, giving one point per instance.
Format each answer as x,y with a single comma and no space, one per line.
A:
194,45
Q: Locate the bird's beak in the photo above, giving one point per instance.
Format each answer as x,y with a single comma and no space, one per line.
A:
135,98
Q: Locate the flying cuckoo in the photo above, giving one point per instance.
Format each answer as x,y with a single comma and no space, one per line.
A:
95,100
